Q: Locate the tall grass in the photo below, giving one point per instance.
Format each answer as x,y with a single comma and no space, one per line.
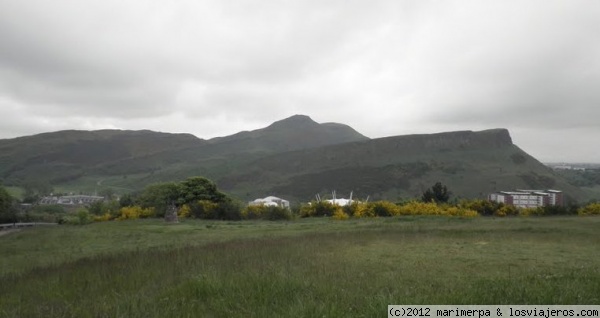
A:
321,268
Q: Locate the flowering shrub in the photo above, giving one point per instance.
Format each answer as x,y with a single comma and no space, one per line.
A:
590,209
506,210
483,207
358,210
135,212
386,208
253,212
419,208
204,209
321,208
102,218
184,211
383,208
530,211
458,211
339,214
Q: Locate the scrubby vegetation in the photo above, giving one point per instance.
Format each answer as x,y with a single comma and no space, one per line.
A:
590,209
199,198
383,209
263,212
7,207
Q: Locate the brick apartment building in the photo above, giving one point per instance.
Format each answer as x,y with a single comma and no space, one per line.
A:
528,198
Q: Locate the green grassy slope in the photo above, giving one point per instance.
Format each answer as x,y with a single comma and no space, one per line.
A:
293,133
295,158
66,155
80,158
471,164
219,155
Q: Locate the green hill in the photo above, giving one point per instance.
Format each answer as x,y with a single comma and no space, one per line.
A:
472,164
83,158
294,158
218,156
67,155
293,133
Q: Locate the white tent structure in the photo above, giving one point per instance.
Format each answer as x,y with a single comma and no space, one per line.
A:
271,201
339,202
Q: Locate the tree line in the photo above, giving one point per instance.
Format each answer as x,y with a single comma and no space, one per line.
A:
199,197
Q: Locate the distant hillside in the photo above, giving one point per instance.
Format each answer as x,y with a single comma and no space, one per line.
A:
66,156
472,164
221,155
293,133
294,158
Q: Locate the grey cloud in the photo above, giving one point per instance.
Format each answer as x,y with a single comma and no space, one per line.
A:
537,74
384,67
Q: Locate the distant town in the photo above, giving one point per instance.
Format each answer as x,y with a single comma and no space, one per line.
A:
572,166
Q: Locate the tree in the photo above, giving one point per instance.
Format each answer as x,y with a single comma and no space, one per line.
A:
107,193
126,199
190,192
7,208
438,193
160,196
199,188
34,189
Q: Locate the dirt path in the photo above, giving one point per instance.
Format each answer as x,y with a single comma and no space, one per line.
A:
5,232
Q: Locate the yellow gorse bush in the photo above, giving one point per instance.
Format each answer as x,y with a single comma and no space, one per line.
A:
102,218
506,210
359,210
184,211
383,208
135,212
590,209
253,212
420,208
317,208
386,208
339,214
457,211
530,211
204,209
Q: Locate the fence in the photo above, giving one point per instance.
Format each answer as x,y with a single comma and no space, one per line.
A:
20,224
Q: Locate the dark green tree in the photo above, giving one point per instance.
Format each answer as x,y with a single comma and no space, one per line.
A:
191,192
107,193
199,188
160,196
34,189
8,213
438,193
127,199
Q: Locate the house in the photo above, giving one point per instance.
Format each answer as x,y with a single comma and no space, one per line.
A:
528,198
271,201
71,199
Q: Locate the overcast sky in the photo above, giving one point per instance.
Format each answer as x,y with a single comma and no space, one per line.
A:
213,68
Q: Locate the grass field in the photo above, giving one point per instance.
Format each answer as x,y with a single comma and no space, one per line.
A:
303,268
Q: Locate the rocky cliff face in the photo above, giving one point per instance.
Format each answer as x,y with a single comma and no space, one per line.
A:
462,140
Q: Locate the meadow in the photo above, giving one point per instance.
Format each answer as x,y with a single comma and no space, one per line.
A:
315,267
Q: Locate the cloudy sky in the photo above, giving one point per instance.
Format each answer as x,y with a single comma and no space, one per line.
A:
213,68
